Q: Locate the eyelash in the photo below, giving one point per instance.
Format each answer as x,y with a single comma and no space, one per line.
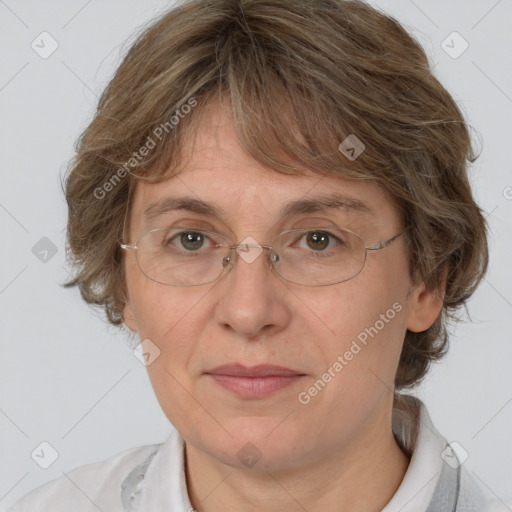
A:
330,235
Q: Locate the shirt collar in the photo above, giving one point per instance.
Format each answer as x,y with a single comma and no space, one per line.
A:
416,434
168,465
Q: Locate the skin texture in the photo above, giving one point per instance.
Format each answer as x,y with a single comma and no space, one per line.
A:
329,453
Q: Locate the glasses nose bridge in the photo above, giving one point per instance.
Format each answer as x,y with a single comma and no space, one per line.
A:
233,248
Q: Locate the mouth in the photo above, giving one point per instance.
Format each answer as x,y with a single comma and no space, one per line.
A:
254,382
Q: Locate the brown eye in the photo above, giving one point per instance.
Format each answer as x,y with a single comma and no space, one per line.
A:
318,240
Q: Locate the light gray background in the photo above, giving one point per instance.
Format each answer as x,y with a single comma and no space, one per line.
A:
69,379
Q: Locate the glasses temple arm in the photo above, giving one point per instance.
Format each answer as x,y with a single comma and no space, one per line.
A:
386,242
128,247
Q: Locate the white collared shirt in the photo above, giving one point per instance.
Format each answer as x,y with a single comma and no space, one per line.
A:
152,478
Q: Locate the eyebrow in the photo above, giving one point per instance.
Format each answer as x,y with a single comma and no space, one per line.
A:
310,205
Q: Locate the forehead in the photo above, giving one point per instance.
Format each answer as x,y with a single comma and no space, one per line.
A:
219,178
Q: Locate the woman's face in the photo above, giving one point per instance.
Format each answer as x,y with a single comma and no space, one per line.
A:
346,338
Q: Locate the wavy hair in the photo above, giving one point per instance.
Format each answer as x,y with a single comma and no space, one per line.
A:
300,76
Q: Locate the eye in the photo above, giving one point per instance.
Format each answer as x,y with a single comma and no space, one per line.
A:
319,241
191,241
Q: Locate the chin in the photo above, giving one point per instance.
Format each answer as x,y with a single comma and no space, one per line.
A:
256,443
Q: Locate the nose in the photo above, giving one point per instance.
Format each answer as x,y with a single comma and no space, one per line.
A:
253,301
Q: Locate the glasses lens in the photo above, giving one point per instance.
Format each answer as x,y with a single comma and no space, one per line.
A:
311,257
319,256
181,257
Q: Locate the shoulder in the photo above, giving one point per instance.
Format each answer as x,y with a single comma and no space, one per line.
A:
91,487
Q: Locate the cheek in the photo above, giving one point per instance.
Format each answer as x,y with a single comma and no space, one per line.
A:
155,307
175,319
364,323
345,313
167,315
361,350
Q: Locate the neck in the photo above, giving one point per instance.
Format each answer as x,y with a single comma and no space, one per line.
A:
340,482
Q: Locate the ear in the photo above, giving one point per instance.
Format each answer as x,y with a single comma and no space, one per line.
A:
425,306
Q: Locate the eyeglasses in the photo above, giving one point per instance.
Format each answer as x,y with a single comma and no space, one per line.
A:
309,257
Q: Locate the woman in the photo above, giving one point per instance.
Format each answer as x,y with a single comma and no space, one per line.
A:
273,195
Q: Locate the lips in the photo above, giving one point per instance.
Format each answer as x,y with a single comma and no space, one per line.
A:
256,381
262,370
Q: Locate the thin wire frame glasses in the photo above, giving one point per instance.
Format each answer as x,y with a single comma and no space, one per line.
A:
320,256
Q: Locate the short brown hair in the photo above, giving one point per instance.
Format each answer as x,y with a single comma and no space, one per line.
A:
300,76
